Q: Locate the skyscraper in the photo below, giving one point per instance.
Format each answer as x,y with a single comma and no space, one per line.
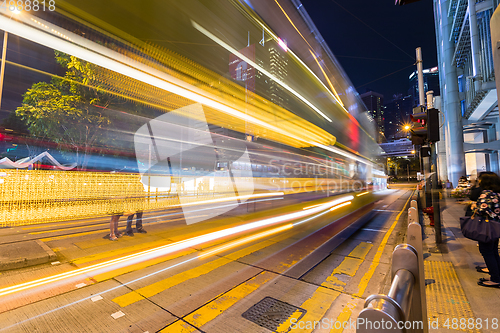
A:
374,103
431,82
468,92
278,68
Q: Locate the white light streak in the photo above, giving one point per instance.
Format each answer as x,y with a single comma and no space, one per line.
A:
262,70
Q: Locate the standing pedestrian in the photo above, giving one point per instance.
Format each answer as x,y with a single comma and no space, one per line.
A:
138,224
449,186
488,206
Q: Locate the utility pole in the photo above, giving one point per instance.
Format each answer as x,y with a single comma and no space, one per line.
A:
430,163
2,66
434,172
426,168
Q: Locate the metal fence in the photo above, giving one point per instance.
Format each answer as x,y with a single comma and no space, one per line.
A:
404,308
42,196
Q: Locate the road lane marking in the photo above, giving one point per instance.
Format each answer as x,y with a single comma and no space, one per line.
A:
224,301
180,326
192,273
324,296
67,229
368,275
344,316
349,266
316,307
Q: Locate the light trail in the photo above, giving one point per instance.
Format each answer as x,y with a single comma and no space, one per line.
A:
340,206
101,56
255,65
240,197
275,37
344,153
358,195
246,240
170,248
309,207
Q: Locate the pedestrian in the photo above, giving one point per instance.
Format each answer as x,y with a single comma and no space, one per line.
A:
138,224
488,206
116,208
449,186
113,227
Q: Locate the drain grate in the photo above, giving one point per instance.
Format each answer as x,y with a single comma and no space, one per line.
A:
270,313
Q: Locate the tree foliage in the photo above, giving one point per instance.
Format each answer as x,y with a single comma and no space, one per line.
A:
68,110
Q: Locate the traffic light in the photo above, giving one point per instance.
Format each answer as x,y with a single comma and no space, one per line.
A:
404,2
433,125
428,128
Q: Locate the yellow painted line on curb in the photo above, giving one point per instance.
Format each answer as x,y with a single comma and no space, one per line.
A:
344,316
224,301
363,284
316,306
192,273
67,229
179,326
158,287
120,271
55,225
48,239
348,266
117,252
323,297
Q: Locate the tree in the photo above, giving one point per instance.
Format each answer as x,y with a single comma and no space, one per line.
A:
68,110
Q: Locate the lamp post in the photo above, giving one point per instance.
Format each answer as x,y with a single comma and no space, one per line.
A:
2,68
4,54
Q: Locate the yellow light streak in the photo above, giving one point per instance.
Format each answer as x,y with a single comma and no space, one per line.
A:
327,79
240,197
309,207
343,153
167,249
246,240
341,205
255,65
106,58
275,37
358,195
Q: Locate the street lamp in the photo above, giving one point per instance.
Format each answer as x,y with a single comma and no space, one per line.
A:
4,54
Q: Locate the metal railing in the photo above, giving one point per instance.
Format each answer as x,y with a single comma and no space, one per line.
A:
404,308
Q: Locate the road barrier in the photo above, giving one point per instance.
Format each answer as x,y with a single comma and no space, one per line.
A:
404,308
43,196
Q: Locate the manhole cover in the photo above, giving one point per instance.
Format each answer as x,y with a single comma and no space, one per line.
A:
270,313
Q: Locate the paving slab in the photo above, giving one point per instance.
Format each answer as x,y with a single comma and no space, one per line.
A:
24,254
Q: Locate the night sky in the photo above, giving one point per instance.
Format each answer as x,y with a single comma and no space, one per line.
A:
372,39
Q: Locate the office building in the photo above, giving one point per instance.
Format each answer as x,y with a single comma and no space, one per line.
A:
468,93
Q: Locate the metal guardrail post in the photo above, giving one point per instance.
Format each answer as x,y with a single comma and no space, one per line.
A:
391,312
414,204
419,305
406,301
412,215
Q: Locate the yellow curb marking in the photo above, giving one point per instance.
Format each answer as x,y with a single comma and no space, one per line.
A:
368,275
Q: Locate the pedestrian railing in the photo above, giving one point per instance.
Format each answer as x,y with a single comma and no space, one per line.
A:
404,308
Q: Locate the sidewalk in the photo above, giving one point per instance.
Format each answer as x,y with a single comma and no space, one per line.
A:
451,278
